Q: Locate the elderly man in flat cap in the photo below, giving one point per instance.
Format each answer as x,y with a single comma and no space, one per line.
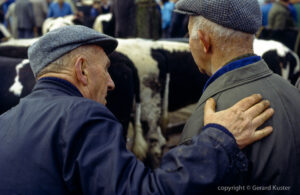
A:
221,42
61,139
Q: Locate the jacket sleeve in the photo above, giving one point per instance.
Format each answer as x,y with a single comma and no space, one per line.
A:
95,158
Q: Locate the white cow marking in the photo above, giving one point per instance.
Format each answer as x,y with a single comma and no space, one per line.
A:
17,87
98,22
139,51
262,46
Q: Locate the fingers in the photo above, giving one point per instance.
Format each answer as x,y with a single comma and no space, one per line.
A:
257,108
258,135
263,117
247,102
210,107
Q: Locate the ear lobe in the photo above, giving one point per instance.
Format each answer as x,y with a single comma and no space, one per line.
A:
80,71
204,40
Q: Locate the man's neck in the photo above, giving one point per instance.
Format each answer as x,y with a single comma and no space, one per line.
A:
218,61
65,76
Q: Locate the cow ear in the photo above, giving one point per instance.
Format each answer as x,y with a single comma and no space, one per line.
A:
204,40
80,71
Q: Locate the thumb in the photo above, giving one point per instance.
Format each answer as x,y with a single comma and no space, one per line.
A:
210,107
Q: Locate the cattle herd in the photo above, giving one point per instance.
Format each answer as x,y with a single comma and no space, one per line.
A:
152,78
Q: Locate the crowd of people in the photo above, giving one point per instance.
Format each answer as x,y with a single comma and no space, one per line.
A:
150,18
24,18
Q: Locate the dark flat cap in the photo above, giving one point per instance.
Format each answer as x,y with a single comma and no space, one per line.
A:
60,41
240,15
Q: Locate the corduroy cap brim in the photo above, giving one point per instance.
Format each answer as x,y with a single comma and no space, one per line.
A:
60,41
240,15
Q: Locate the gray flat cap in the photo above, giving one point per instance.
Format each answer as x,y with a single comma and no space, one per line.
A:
60,41
240,15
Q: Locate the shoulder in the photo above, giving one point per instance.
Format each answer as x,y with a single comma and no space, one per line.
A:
81,115
87,107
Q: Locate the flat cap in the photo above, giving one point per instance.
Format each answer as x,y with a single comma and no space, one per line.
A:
60,41
240,15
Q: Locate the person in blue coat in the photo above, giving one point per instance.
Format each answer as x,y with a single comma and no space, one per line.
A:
59,9
61,139
166,15
265,9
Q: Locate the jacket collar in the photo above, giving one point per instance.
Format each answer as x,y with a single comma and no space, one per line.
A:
233,64
57,84
236,77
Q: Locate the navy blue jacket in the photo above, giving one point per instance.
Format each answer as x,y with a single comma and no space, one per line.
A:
57,142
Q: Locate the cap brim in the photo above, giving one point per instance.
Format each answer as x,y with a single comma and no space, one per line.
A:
108,45
185,12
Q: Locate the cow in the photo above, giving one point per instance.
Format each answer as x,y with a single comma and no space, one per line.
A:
280,59
169,79
16,48
289,37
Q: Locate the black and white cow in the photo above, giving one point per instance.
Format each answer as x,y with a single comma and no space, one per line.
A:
16,48
279,58
169,80
288,37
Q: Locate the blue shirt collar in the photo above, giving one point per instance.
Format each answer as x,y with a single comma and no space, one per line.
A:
231,66
63,83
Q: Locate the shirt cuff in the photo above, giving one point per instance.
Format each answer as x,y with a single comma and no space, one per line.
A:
238,158
219,127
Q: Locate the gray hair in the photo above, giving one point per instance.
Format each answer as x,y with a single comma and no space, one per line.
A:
65,61
55,67
224,37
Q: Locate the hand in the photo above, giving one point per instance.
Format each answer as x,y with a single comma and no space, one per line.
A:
242,119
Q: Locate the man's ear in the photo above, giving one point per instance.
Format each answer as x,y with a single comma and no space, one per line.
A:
204,40
80,70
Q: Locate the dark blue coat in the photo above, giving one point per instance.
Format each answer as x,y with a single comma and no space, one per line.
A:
57,142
